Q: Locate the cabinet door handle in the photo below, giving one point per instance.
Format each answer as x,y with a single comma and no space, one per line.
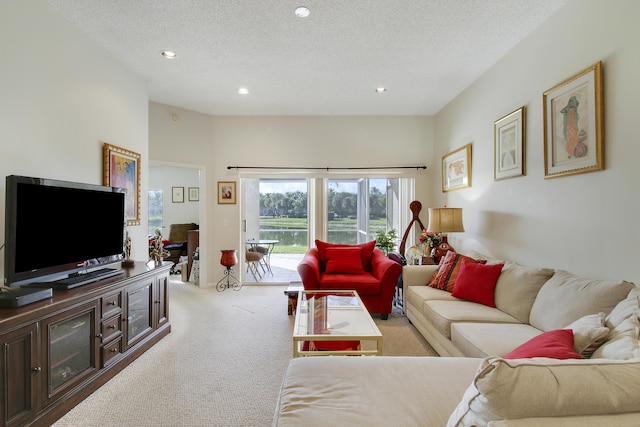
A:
112,303
114,350
112,326
99,336
37,369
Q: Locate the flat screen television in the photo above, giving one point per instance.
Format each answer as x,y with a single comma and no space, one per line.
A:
56,228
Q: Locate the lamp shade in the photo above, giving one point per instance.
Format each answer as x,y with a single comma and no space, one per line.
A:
445,220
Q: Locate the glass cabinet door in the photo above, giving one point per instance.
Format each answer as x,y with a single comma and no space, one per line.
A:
139,311
70,343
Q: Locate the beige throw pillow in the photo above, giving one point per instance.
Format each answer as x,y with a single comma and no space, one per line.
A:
623,342
626,308
589,333
527,388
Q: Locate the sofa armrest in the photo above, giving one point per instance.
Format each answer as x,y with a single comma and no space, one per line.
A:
384,269
309,269
629,419
413,275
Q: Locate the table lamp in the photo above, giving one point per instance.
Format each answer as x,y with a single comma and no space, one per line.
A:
444,220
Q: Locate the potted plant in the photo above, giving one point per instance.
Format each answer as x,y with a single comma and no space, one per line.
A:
386,240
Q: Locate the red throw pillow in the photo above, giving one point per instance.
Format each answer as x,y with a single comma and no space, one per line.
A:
445,276
557,344
477,282
344,260
366,251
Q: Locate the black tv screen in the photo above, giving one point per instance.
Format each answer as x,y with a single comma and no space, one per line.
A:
57,227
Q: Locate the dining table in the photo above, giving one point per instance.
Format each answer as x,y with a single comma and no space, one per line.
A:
268,245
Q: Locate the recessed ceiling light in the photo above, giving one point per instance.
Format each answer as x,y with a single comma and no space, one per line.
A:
168,54
243,91
381,89
302,12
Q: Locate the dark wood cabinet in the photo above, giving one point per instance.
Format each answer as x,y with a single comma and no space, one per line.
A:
20,375
54,353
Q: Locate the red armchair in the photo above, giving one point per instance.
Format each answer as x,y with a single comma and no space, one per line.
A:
362,268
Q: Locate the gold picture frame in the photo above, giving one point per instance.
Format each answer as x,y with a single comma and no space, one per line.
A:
226,192
121,169
573,124
456,169
509,145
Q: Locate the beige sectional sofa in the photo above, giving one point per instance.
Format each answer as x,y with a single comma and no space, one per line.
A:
472,384
528,301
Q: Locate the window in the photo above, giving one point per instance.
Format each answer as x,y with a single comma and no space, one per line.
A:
357,209
155,210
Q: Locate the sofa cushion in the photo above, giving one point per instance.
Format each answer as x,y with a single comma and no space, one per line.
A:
589,333
556,344
344,260
476,282
502,389
518,287
565,298
490,339
385,391
448,270
364,283
417,295
623,342
366,252
440,314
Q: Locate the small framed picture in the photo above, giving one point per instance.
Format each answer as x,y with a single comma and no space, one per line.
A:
456,169
573,118
509,145
177,194
194,194
226,192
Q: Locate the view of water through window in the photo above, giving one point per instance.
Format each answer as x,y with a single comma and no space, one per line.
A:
284,215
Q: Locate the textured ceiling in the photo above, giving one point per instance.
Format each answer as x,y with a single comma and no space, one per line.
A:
424,51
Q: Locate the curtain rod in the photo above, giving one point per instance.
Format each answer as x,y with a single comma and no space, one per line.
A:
325,168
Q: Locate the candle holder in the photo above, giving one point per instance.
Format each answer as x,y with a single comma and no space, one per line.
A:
229,259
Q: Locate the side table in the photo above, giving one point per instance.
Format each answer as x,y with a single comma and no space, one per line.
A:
292,292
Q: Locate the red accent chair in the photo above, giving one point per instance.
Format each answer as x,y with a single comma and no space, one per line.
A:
363,268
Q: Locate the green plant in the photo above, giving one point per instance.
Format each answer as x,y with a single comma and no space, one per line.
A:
386,241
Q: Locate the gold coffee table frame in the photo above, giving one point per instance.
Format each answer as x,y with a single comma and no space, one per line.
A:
333,316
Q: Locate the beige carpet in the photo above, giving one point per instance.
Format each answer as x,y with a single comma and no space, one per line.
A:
222,364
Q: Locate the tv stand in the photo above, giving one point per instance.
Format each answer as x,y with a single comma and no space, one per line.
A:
58,351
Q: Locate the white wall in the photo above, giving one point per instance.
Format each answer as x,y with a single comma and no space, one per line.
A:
582,223
220,141
165,177
61,97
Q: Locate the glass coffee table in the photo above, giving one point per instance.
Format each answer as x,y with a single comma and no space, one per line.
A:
333,323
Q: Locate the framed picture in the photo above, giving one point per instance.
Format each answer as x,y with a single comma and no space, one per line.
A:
509,145
226,192
121,168
456,169
194,194
573,121
177,194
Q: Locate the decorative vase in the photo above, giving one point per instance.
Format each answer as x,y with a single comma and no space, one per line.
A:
229,257
442,249
425,249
